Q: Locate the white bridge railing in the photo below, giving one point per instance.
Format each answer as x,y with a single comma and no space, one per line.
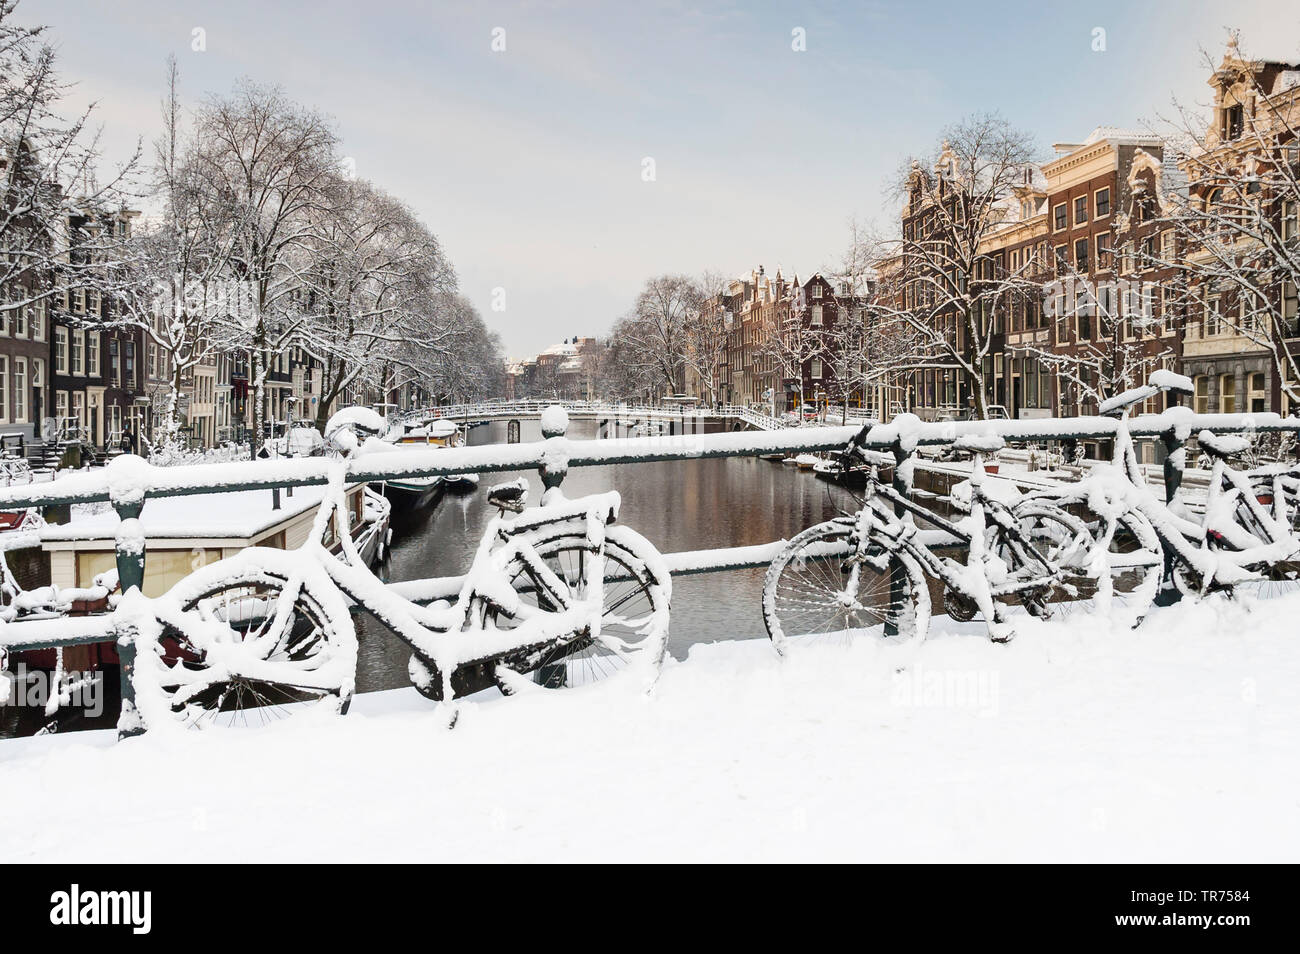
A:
620,411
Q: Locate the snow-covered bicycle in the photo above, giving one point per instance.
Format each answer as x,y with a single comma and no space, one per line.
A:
1143,544
556,596
869,571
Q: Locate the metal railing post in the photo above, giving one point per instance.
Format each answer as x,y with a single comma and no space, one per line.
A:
130,551
901,481
1175,461
552,470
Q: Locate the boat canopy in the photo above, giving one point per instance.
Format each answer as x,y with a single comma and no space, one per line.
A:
441,428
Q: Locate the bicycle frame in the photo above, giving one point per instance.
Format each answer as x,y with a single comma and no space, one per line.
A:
1198,546
879,533
461,650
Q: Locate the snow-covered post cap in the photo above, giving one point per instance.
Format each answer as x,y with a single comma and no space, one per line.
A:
555,421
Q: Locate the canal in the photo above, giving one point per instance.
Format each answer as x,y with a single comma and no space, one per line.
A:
677,505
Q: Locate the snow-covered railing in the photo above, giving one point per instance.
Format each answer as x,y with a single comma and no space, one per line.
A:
758,419
128,482
129,479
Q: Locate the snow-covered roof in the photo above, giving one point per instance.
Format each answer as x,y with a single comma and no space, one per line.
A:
1118,134
563,347
233,515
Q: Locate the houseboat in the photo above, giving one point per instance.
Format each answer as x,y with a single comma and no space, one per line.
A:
410,493
185,533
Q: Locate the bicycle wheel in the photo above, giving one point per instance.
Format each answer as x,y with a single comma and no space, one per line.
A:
1059,537
1121,572
633,631
805,592
252,642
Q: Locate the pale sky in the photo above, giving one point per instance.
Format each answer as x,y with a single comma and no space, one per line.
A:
527,163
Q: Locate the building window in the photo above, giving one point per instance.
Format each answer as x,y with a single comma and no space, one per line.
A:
816,318
1212,315
1081,256
20,390
114,364
21,321
1290,308
61,405
1258,396
1103,203
130,365
4,388
38,322
60,350
817,291
1167,245
1289,222
816,366
1060,218
1228,394
1202,394
92,354
78,347
1233,120
1081,210
1104,258
1062,260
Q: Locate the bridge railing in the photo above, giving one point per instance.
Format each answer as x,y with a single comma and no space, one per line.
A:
615,410
129,482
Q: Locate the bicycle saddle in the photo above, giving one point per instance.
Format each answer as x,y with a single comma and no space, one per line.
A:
510,496
1222,446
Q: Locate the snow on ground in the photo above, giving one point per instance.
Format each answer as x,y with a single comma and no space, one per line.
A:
1174,742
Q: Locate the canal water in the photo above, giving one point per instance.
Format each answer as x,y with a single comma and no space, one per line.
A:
676,505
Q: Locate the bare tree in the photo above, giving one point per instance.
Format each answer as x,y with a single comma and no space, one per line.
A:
375,277
705,332
270,161
1237,217
1112,324
793,343
666,305
948,286
169,280
627,373
56,214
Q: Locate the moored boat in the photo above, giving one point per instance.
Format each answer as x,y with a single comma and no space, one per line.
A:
415,493
185,533
460,483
